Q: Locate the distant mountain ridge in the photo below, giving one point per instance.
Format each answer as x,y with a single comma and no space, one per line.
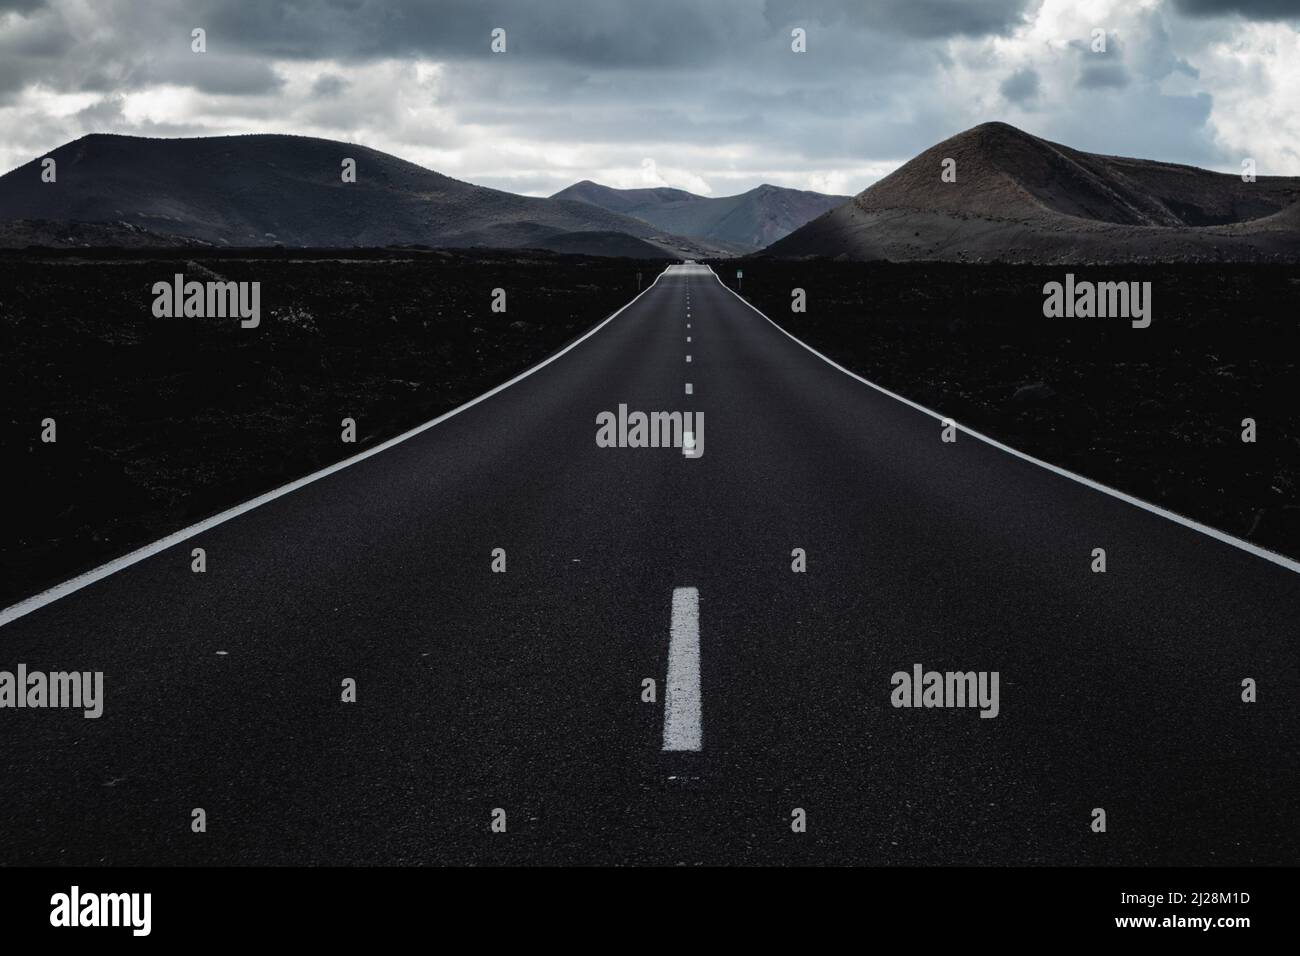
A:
267,189
1019,198
751,219
623,200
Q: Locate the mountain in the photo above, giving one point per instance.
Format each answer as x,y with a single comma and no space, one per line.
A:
602,244
1018,198
625,201
750,220
265,190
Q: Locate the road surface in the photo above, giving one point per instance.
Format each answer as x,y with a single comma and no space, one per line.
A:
523,691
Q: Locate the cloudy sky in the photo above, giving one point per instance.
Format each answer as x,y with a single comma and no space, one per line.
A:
705,95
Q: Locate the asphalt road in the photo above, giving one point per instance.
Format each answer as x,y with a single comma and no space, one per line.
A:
523,690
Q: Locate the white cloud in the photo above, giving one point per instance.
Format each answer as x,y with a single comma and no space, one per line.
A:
1256,74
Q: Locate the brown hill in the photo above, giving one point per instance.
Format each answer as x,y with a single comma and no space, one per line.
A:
1019,198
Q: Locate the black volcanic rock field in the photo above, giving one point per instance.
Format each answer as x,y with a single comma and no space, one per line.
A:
1018,198
164,421
1155,412
161,422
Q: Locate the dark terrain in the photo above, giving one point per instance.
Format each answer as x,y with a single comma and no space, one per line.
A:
1154,412
523,691
1021,199
750,220
266,190
164,421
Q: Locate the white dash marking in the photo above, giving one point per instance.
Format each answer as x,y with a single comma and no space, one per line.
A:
690,389
688,358
682,707
688,338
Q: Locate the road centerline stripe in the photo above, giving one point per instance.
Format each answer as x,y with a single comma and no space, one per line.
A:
683,711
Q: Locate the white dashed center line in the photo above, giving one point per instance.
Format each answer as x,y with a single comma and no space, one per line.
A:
683,717
690,389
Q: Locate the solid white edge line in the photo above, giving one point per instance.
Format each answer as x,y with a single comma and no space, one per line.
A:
1215,533
50,595
682,704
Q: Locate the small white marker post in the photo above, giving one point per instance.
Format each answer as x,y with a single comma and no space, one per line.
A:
683,716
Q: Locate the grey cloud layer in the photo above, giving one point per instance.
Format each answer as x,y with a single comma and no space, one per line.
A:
135,43
1251,9
599,76
915,18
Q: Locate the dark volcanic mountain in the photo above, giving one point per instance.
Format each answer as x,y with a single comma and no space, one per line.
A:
266,189
1019,198
748,221
625,201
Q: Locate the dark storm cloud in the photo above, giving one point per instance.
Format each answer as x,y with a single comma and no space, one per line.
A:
1021,87
1103,76
594,33
916,18
1101,69
329,84
113,47
709,86
223,73
1251,9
